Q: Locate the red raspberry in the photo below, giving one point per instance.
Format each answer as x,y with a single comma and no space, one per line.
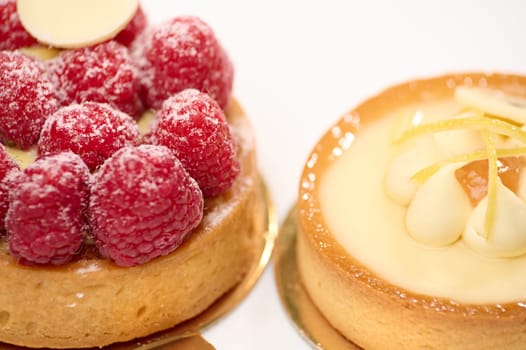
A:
92,130
27,97
194,127
102,73
12,34
45,221
133,29
183,53
7,165
143,205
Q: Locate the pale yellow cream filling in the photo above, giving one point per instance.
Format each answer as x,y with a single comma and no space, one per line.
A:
371,226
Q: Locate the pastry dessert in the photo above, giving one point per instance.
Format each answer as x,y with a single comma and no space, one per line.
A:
410,217
123,211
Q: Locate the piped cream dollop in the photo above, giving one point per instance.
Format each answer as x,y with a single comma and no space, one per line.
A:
455,142
439,210
397,182
507,237
422,177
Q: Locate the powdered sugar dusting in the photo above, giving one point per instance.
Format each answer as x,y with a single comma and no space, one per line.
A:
217,212
7,165
89,268
244,136
27,97
143,205
194,127
45,219
12,34
179,54
101,73
93,130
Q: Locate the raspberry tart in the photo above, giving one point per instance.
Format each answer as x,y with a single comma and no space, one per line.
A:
118,223
411,230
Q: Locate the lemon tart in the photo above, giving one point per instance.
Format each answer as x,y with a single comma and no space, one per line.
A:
410,233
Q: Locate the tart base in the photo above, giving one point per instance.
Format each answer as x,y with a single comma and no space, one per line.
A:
375,320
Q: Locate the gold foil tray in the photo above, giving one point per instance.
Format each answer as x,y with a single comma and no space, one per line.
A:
309,322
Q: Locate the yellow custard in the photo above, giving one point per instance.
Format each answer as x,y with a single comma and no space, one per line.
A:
25,157
371,227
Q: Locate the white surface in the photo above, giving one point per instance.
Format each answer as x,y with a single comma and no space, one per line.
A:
301,64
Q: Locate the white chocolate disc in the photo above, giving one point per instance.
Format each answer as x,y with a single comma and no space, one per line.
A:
508,238
75,23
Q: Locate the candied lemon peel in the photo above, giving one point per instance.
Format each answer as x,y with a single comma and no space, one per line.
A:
495,116
492,184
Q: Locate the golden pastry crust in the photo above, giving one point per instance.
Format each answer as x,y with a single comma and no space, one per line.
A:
366,308
92,302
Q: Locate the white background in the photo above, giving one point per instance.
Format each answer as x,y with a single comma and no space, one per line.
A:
302,64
